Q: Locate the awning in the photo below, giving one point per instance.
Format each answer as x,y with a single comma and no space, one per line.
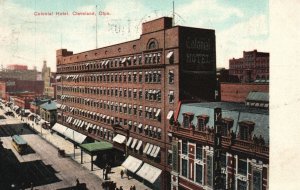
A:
140,126
129,141
149,173
133,143
139,145
170,54
27,111
146,148
153,150
15,108
157,113
149,149
156,152
59,128
146,127
170,114
74,136
58,77
119,139
132,164
93,148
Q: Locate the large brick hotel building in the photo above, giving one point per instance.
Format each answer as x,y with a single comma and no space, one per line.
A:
129,93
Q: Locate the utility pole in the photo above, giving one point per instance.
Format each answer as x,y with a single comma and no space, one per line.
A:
96,27
173,14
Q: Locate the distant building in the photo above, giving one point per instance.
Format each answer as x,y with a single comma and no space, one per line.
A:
15,86
238,92
17,67
19,72
237,157
49,81
22,100
253,66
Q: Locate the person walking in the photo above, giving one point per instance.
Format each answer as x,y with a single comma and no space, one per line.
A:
122,173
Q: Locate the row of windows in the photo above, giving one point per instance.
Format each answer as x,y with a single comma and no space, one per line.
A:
149,112
149,94
245,130
151,58
148,77
149,130
85,126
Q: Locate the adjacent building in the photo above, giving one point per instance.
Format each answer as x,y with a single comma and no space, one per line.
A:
238,92
253,66
127,93
221,145
48,112
35,105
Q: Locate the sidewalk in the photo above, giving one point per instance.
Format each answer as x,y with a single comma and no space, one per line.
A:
61,143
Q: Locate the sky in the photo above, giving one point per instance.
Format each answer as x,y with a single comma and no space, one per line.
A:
29,39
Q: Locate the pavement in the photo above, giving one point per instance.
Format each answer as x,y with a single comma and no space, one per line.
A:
49,154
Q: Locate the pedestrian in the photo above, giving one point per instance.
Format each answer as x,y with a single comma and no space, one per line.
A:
121,187
77,182
130,188
126,172
122,173
133,187
31,186
103,172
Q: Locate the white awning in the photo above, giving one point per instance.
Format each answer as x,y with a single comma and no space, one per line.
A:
59,128
170,114
132,164
139,145
82,124
119,139
140,126
146,148
149,173
150,149
146,127
27,111
170,54
69,133
157,113
133,143
58,77
156,152
129,141
153,150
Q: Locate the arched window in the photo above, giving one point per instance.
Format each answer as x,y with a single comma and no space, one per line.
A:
152,44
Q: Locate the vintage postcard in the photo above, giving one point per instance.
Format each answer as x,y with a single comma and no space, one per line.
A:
111,94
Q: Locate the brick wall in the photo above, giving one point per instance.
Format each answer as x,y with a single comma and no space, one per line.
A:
238,92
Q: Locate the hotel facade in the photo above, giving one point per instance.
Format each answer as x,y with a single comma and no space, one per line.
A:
129,93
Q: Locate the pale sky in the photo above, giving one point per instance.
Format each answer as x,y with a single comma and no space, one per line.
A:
29,39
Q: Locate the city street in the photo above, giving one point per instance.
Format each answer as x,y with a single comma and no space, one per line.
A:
48,170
